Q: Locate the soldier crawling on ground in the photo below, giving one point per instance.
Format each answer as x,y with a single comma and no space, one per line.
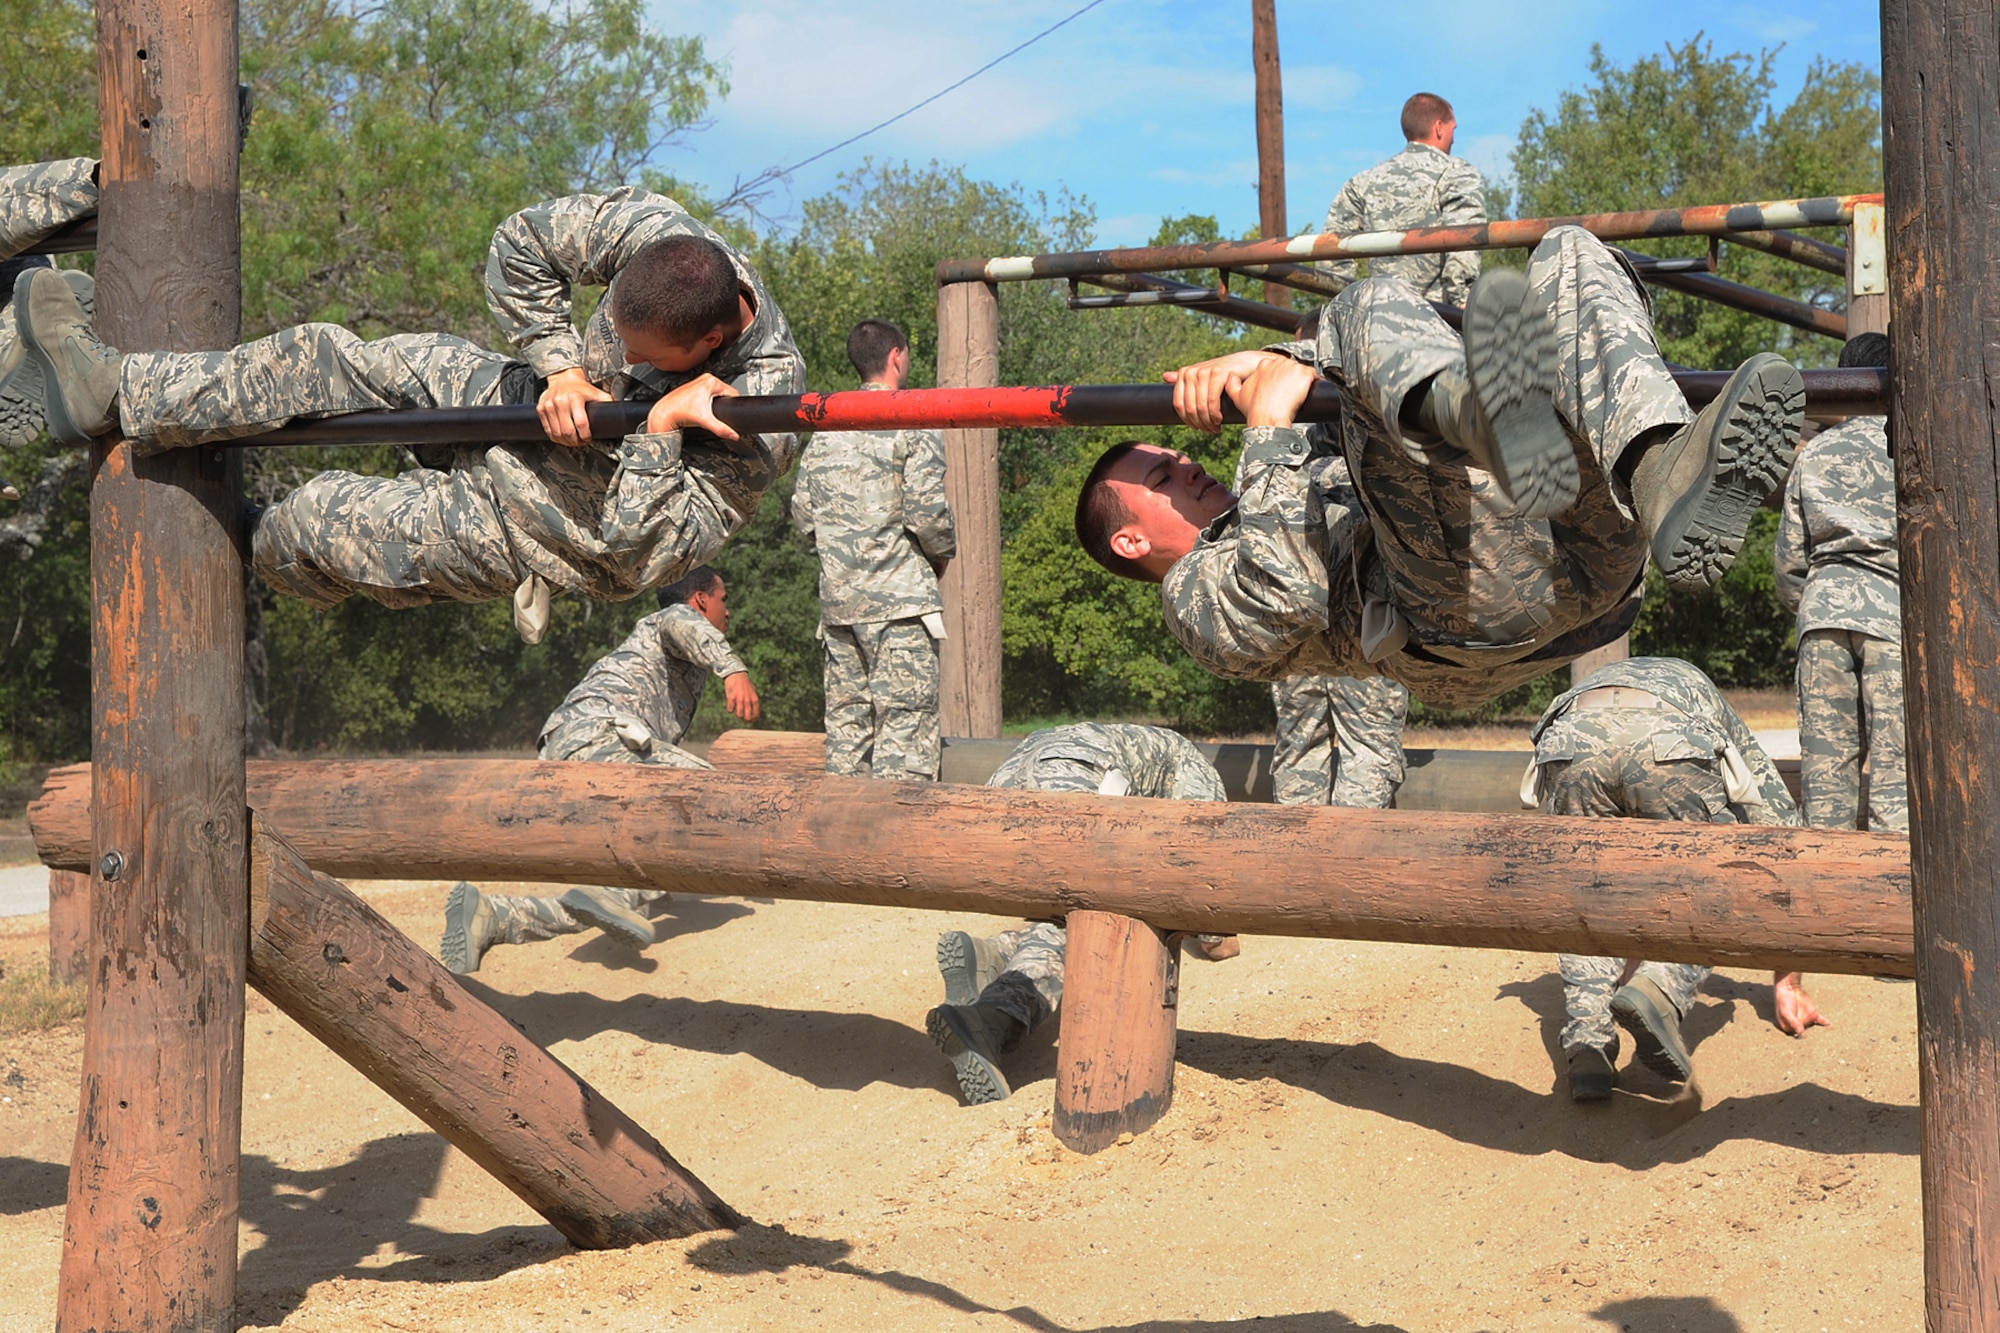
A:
1500,497
874,504
632,707
1422,186
999,989
36,202
1651,738
686,320
1836,562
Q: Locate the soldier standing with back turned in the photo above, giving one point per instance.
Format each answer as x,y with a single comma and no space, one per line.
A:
873,502
1422,186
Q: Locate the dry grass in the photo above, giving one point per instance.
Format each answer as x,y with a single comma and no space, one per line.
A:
31,1002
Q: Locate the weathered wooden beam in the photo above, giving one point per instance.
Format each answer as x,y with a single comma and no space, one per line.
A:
388,1008
1121,1000
1819,899
69,927
150,1238
1941,159
968,357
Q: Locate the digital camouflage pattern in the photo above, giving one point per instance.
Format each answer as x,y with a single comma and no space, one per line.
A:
1851,727
642,695
1418,568
1422,186
523,920
1646,763
39,200
1081,757
1836,569
1339,741
882,688
1836,560
873,503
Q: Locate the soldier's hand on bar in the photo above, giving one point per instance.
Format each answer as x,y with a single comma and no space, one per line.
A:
692,404
1796,1010
1271,395
563,406
741,696
1198,389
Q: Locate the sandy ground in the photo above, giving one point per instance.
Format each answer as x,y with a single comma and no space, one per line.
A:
1363,1136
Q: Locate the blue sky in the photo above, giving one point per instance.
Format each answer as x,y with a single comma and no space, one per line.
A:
1144,106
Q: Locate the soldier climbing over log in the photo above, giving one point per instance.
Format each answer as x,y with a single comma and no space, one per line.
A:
1501,493
686,319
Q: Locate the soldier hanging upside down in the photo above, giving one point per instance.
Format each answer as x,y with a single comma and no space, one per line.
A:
36,202
1500,497
686,319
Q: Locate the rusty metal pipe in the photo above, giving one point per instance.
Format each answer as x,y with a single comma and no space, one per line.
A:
1167,291
1799,249
1705,220
75,239
1753,300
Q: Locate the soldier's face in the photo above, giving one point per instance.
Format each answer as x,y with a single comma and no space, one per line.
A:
714,606
643,347
1170,499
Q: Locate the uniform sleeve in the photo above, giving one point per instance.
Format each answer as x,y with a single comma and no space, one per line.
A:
540,254
926,513
1343,218
1243,603
1462,204
692,639
39,200
1790,559
671,505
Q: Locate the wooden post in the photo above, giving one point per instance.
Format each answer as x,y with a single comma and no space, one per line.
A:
1121,997
1867,272
151,1236
969,358
69,927
1941,147
1616,651
1270,133
393,1012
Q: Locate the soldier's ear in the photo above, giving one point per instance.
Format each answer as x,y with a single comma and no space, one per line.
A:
1130,543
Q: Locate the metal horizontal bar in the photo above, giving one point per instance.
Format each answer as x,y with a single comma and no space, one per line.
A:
75,239
1800,249
1831,392
1258,314
1705,220
1120,300
1753,300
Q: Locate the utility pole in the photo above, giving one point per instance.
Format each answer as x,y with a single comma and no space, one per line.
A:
1270,132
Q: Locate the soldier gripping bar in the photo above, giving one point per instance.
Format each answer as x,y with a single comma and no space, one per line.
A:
1858,392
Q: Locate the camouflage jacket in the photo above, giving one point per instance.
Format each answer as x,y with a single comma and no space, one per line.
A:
1836,557
39,200
1697,724
873,502
1151,760
1419,187
654,678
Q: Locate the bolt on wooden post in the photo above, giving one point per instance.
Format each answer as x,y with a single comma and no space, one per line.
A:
151,1236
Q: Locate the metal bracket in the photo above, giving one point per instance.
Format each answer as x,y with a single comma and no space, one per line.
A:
1170,994
1868,254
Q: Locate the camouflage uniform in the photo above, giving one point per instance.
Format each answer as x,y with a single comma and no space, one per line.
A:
1340,741
1837,572
1418,568
608,520
1692,760
1096,759
631,707
40,200
874,505
1422,186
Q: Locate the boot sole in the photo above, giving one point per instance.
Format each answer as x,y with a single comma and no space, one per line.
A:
979,1078
586,909
1510,355
958,964
55,412
1656,1034
22,410
455,950
1754,439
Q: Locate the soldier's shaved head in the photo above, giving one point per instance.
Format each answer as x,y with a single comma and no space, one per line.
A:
680,288
1423,113
869,344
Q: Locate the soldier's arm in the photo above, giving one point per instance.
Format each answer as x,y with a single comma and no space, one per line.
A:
39,200
692,639
1243,604
1790,560
1463,205
541,254
926,513
1344,218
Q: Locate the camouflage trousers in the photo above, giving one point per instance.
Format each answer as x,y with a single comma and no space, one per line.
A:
882,700
585,740
1851,727
1626,764
1589,984
1339,741
1029,987
1477,584
39,200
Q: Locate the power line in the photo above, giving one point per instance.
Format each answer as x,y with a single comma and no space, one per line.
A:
934,96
